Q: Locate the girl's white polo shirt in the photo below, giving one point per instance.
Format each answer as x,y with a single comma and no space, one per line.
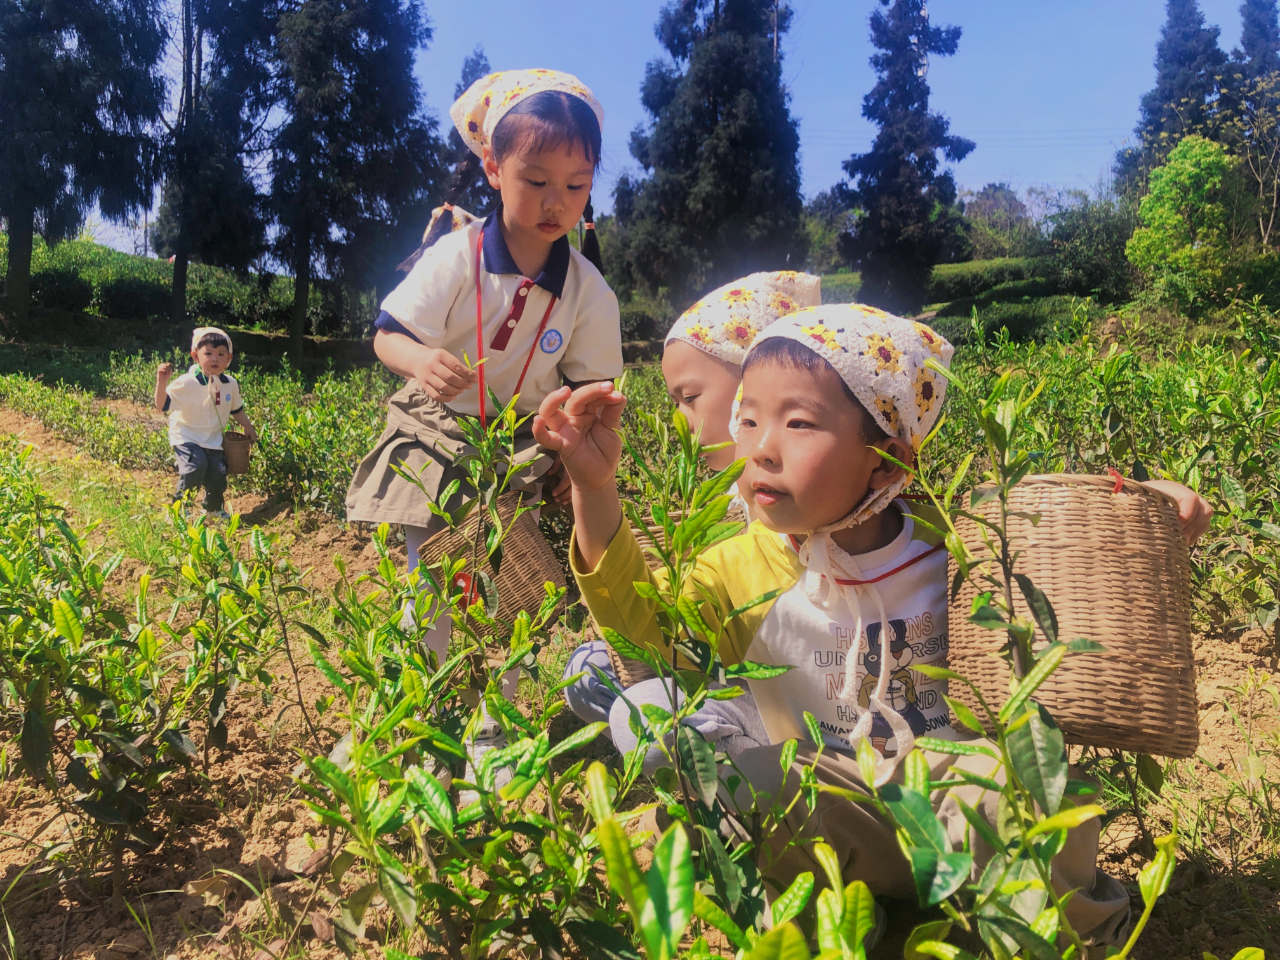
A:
436,305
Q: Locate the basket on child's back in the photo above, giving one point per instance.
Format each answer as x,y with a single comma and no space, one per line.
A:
1111,558
527,561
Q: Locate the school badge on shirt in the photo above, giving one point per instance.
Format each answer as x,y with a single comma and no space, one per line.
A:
551,341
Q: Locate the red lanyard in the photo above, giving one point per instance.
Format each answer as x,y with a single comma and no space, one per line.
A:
480,332
795,545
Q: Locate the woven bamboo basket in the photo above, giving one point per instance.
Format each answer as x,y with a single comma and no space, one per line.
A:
1115,567
235,450
527,560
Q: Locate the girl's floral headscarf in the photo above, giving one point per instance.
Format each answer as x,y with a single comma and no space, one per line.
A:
725,321
477,112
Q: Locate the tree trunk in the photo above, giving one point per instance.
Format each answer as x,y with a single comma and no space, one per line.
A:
178,306
301,293
17,281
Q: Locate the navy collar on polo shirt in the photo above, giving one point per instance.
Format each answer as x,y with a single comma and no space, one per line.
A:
203,380
497,258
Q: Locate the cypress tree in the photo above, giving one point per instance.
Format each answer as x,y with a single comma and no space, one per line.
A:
721,195
478,198
354,158
1189,68
1259,52
907,221
80,88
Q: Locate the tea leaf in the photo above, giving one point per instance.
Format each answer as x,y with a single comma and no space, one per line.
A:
1039,756
781,943
793,900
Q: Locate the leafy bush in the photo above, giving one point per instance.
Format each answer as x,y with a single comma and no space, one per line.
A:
61,290
126,287
1088,237
953,281
129,298
105,695
1188,244
638,324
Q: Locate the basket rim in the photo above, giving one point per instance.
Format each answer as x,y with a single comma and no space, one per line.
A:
235,436
1128,485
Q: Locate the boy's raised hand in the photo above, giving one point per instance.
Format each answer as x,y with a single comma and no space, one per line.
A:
582,427
164,372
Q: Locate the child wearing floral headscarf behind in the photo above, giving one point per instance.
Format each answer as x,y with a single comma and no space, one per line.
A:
861,587
702,366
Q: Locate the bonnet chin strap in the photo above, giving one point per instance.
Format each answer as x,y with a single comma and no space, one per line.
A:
822,570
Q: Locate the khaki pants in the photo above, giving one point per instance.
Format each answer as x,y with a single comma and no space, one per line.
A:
868,850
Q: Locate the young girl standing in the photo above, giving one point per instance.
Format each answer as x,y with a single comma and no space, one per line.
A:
509,291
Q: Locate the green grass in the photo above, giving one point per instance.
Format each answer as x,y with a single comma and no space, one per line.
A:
841,287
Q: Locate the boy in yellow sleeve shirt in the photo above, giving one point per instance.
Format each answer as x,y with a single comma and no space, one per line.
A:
862,587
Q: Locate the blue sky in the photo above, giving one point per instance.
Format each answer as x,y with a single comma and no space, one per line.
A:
1048,90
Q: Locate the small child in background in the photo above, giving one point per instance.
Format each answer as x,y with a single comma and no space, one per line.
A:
504,305
200,404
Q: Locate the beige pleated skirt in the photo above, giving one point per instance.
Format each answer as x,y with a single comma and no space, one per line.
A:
423,440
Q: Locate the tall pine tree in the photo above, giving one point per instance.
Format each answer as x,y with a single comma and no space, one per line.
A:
80,88
478,197
722,193
1259,52
211,211
1190,69
355,160
908,220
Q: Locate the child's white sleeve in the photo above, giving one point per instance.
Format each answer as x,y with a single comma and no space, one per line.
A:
237,401
177,392
425,297
594,351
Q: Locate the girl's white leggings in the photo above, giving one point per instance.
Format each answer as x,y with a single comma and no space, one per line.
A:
437,636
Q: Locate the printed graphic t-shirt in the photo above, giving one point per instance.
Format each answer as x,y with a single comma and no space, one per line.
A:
910,575
200,409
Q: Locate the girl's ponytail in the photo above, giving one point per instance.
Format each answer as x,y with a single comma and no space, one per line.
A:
590,242
464,173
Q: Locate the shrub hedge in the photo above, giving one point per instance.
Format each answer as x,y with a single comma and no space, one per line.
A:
952,281
80,275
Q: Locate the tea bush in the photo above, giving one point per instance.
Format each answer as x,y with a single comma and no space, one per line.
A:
123,286
61,289
953,281
548,861
105,692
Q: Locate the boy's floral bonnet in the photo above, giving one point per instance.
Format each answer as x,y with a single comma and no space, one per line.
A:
882,359
476,113
205,331
725,321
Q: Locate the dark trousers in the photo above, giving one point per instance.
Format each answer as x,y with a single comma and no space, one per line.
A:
201,467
